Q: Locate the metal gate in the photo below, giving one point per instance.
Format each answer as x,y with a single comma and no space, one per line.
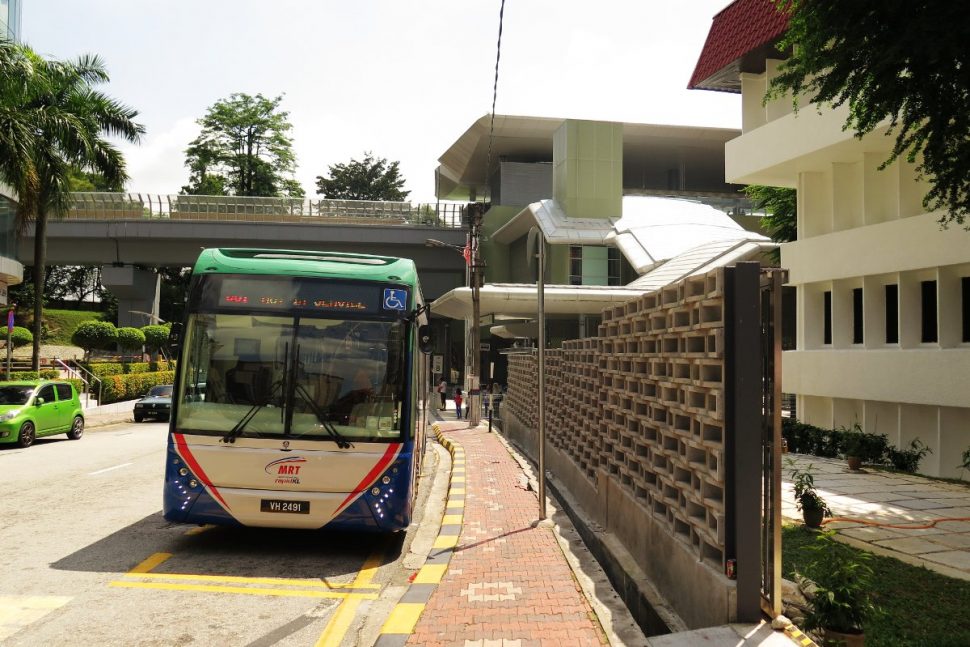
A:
772,280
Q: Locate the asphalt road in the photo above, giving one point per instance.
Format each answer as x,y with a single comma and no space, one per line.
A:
87,559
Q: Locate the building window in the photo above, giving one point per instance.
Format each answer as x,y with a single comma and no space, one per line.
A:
827,324
929,327
575,265
613,266
857,315
965,290
594,265
892,314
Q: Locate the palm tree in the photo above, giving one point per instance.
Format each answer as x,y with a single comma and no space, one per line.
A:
52,119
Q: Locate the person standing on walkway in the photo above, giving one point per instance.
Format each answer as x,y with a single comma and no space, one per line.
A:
458,400
442,392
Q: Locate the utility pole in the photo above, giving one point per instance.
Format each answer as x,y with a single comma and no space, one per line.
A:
475,212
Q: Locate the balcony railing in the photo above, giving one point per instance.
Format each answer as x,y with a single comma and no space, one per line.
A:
136,206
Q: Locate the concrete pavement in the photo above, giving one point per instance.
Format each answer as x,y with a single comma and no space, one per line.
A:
500,578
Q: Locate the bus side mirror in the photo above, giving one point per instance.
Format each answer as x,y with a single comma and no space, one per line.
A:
425,342
174,338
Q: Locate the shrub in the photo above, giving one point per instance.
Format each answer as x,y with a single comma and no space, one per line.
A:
90,335
133,385
965,457
21,337
156,337
806,496
907,460
104,369
130,338
49,374
844,578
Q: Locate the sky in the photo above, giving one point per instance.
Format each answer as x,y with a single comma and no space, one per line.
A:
402,79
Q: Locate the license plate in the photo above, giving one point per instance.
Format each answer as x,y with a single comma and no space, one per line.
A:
278,505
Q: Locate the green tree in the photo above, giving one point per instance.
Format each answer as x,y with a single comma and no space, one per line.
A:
244,149
779,204
367,179
20,336
52,119
91,335
81,180
130,338
156,336
891,61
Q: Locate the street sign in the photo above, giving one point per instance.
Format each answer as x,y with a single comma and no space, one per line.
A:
437,364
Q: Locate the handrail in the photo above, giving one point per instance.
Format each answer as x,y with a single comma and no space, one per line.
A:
78,372
138,206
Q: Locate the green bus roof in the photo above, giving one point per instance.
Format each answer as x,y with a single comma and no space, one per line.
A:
306,263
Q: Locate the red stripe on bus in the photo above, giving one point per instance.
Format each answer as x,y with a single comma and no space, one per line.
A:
389,455
196,468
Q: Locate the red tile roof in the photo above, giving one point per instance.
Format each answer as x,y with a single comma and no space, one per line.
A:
738,29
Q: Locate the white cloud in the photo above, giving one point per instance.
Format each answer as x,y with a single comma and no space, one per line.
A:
157,164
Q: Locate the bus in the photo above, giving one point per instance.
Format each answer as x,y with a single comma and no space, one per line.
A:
299,399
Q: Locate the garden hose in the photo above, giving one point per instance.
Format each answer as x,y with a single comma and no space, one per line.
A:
922,526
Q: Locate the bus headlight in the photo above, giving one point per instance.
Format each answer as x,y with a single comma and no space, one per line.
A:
376,491
386,480
183,471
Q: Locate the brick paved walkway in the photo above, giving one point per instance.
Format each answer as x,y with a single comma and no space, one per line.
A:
508,583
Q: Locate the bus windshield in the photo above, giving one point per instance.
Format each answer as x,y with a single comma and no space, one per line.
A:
292,376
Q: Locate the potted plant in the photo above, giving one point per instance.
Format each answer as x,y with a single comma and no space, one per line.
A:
852,445
807,498
841,603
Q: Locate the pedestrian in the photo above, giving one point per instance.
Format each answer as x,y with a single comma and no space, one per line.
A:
458,401
442,392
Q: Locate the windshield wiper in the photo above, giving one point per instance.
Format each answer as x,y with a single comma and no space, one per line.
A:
230,437
342,443
237,430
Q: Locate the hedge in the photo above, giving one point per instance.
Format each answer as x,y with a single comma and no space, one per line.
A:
130,338
107,369
46,374
873,449
133,385
20,336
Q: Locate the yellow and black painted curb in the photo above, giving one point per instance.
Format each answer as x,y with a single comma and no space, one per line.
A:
796,634
404,617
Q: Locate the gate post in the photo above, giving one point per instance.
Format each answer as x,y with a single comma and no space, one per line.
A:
743,411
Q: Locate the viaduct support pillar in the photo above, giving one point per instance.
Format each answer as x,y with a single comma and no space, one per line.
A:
137,291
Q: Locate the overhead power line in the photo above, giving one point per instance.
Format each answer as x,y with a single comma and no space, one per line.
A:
491,128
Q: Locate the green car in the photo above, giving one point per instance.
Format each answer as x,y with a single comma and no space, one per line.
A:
29,410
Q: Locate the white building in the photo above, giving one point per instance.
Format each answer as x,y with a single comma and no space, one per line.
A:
11,271
883,293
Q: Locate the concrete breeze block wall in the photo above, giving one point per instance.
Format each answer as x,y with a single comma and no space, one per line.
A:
639,411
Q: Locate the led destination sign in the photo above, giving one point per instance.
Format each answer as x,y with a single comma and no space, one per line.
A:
293,294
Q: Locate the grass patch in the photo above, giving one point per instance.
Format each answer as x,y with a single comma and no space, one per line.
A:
919,607
61,324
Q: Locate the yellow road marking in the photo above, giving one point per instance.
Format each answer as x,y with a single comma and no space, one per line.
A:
197,530
456,490
457,479
430,574
344,616
282,581
403,618
456,504
445,541
286,593
150,563
450,519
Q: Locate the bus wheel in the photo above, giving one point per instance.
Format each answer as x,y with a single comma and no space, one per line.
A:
77,428
27,434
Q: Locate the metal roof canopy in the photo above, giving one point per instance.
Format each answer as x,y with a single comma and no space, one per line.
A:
521,299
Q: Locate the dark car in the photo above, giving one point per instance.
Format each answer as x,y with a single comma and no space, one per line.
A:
156,405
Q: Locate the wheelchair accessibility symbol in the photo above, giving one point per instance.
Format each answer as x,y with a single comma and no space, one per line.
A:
395,299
